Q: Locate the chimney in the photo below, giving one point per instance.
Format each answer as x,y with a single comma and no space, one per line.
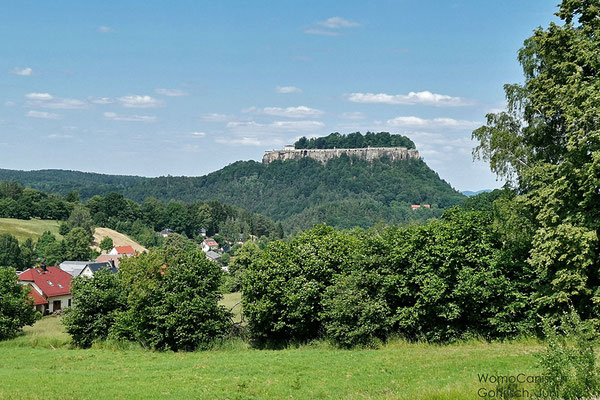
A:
43,266
112,263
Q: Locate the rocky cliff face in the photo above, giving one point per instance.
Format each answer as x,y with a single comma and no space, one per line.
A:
324,155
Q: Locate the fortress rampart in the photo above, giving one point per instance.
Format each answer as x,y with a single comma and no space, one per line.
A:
324,155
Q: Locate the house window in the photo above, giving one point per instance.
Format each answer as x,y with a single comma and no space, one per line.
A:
69,302
50,283
59,285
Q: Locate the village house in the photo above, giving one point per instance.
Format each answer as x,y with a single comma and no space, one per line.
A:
126,251
209,244
73,267
50,288
92,268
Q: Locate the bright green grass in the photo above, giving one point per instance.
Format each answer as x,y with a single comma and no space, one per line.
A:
34,367
233,302
23,228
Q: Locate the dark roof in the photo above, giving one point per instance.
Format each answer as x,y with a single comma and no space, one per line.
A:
97,266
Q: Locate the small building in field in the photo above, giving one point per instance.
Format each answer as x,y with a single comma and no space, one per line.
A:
50,288
92,268
203,232
126,251
417,206
209,244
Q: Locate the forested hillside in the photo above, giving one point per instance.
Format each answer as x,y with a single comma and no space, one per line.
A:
343,193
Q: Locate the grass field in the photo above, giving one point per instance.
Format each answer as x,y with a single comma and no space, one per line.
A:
23,229
41,365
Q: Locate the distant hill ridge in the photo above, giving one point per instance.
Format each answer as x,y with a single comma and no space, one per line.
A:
335,188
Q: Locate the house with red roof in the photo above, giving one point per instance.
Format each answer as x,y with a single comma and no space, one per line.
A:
209,244
125,251
50,288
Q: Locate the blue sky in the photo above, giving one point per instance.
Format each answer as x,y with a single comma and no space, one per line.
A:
186,87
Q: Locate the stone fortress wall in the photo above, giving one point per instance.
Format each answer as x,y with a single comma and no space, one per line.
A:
324,155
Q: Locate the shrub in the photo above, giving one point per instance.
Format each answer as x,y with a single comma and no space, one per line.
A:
16,308
283,288
569,362
354,313
96,303
173,305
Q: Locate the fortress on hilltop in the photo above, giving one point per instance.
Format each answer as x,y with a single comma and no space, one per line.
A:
324,155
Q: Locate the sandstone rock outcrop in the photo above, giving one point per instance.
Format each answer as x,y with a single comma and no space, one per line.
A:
324,155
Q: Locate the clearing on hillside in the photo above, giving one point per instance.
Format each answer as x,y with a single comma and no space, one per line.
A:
28,228
118,239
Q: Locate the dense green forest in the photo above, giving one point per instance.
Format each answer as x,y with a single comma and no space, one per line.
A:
344,193
355,140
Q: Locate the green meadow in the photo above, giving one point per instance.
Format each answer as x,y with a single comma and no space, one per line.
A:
41,364
28,228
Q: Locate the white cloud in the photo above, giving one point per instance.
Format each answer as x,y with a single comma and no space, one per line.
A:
27,71
214,117
288,89
39,96
416,122
289,112
132,118
277,133
332,26
244,141
102,100
337,22
198,134
46,100
171,92
43,115
105,29
10,103
412,98
64,104
137,101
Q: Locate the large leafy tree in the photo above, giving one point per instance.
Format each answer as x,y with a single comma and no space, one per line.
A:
16,308
547,145
10,252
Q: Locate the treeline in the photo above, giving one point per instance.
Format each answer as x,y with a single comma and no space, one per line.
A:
449,279
20,202
48,249
140,220
354,140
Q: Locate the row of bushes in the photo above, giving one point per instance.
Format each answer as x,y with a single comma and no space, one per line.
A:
448,279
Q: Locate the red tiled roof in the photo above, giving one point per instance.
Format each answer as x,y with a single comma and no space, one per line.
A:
211,242
125,249
37,298
53,282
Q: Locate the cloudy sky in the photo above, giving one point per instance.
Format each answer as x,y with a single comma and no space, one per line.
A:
186,87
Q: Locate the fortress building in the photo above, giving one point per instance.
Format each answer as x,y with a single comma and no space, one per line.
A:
324,155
